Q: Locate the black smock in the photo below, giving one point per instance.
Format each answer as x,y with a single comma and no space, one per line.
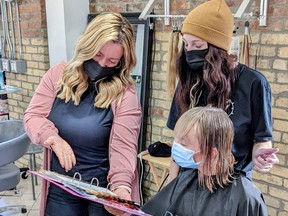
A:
250,111
184,197
87,130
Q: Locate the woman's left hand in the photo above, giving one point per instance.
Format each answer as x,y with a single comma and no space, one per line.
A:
264,158
123,194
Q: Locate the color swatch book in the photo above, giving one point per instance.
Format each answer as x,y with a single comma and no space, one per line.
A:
90,191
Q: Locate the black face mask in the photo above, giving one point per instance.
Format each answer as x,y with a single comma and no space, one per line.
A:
96,71
196,59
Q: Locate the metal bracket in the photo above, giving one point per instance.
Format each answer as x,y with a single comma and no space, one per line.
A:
243,8
147,10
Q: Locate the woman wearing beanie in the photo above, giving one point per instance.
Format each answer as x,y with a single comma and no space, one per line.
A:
208,76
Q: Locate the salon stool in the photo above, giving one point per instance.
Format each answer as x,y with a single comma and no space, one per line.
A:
32,151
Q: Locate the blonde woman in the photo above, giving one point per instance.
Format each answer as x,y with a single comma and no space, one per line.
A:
203,142
86,115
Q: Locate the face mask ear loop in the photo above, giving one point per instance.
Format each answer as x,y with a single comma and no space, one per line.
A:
196,152
119,65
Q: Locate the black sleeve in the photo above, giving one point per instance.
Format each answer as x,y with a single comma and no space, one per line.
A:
174,113
261,110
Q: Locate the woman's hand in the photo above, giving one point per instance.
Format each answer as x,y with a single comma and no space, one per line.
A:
264,157
123,193
63,151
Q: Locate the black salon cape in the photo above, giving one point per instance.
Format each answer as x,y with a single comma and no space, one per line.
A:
184,197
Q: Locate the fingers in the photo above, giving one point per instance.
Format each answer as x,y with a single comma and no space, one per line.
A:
113,211
265,152
67,161
265,158
272,160
123,193
264,170
274,150
261,165
63,152
264,163
270,151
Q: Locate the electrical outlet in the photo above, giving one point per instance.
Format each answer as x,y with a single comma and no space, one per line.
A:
18,66
5,64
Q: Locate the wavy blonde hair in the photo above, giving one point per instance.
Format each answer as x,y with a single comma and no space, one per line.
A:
103,28
214,129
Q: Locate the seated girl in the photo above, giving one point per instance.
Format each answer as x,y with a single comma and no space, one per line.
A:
211,185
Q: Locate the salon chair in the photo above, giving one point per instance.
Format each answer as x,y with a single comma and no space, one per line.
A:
14,143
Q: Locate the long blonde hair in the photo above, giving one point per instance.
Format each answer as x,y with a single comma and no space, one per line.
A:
214,129
104,27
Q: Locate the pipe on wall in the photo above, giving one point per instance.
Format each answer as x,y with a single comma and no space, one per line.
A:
263,13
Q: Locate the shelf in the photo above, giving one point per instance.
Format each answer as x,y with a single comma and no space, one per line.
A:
163,162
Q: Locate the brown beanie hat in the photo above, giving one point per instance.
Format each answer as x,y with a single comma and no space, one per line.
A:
212,22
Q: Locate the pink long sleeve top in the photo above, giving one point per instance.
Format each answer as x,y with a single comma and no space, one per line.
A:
123,145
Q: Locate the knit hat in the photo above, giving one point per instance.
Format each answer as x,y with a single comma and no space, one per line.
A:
212,22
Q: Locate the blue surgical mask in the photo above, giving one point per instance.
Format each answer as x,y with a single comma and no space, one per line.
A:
96,71
184,157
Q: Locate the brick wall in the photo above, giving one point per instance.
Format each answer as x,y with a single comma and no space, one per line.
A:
35,52
271,43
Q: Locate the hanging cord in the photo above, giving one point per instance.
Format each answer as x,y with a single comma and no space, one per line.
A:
162,183
6,29
2,32
142,177
150,81
3,29
244,54
12,30
171,76
152,28
171,61
19,28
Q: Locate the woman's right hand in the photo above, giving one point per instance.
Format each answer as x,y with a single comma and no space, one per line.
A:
63,151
